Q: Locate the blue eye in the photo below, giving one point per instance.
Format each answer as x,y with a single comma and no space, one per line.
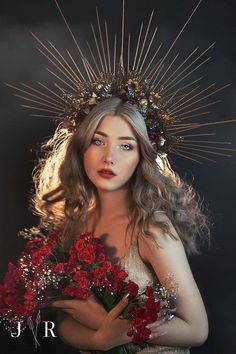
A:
127,147
97,142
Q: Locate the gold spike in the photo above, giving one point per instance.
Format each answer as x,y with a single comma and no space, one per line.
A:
114,59
97,46
157,71
65,61
180,66
183,97
40,103
168,68
128,55
108,48
30,94
58,68
43,116
194,110
195,154
137,47
59,78
206,141
65,72
148,49
176,152
196,115
181,31
144,41
175,109
205,134
48,89
93,57
189,66
185,76
43,94
60,88
101,40
150,62
186,129
207,146
38,109
205,151
69,29
219,122
76,66
122,38
154,68
87,69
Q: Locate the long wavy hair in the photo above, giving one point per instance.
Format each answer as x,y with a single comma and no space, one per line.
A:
65,195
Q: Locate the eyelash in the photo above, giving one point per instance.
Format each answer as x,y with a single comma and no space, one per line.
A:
95,140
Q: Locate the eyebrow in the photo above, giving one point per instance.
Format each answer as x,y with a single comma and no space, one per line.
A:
119,138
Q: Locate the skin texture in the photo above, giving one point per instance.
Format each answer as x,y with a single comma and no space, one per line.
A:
116,148
88,325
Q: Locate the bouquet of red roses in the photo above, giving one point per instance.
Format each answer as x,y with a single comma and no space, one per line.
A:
44,272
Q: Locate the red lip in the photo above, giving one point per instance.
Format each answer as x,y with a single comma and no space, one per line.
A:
106,173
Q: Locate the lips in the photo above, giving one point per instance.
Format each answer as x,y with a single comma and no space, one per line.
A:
106,173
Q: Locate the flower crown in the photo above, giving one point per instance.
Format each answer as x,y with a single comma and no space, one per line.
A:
163,93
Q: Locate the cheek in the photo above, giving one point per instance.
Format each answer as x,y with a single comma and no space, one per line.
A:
132,163
89,159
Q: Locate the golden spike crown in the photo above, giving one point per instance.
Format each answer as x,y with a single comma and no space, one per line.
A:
163,92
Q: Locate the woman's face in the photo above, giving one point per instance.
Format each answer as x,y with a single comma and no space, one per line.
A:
113,154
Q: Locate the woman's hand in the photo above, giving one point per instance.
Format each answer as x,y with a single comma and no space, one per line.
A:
89,312
113,331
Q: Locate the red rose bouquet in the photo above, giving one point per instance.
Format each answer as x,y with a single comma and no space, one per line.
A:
44,272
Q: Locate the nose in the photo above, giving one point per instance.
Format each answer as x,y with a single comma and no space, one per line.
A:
110,156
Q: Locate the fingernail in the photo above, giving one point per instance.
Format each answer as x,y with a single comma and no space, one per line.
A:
125,298
168,317
162,334
172,311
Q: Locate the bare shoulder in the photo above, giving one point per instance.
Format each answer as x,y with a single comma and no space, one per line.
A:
160,242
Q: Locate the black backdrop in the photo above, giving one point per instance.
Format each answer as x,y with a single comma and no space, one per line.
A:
19,61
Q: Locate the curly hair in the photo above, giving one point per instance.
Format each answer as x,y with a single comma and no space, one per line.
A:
65,195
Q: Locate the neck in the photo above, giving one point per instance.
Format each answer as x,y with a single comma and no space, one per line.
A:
113,203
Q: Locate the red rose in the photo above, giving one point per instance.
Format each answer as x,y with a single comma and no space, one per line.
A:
142,335
107,265
122,275
87,255
69,290
132,288
101,258
79,244
58,268
79,275
83,294
99,272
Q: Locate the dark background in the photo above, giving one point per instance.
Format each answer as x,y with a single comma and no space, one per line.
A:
214,270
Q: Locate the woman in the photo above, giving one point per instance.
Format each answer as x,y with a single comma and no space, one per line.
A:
104,179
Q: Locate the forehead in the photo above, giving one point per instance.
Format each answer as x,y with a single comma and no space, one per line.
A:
115,126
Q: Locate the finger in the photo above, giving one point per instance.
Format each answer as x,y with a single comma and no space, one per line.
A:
154,335
166,311
155,324
160,322
64,304
116,311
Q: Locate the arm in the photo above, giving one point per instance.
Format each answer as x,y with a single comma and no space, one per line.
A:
111,333
190,325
